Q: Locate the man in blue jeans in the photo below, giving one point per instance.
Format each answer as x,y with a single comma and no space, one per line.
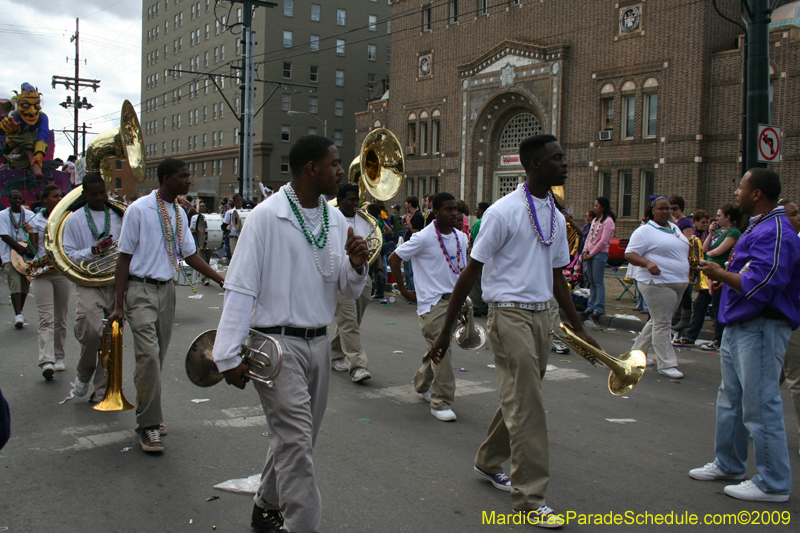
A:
760,307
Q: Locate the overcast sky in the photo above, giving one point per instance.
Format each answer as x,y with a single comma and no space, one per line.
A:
110,51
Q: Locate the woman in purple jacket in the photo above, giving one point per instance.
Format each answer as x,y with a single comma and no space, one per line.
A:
595,255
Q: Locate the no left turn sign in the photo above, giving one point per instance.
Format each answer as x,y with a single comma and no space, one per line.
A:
769,144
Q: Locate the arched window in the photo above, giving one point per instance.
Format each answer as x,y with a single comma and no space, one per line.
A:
377,124
519,128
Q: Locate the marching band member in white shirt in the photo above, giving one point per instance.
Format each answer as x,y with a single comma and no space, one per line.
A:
153,242
11,234
51,291
521,249
439,253
89,232
233,237
297,254
347,353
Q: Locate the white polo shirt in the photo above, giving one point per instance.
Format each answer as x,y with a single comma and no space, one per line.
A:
227,220
433,276
7,228
517,267
670,251
78,238
141,236
273,278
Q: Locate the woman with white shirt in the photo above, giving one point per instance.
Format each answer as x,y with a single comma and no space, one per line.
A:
595,255
662,251
51,291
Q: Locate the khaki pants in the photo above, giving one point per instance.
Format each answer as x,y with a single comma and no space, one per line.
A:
520,341
232,241
791,369
294,408
94,305
439,379
150,311
662,300
346,342
51,292
17,283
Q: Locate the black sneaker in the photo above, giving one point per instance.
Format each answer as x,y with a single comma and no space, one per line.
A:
266,521
684,341
151,441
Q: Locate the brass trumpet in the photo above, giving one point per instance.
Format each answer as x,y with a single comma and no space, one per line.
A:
111,356
262,365
626,371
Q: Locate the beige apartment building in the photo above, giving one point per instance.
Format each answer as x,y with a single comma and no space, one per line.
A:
336,52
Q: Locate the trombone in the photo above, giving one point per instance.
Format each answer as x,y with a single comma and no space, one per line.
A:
626,370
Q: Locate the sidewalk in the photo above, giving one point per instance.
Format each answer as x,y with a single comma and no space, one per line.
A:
624,307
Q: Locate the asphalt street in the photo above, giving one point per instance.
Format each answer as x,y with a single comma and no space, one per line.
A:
384,464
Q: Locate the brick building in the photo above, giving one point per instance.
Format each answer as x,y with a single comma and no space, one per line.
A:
644,95
338,48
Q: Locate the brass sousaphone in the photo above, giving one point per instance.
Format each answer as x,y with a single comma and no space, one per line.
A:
378,172
126,143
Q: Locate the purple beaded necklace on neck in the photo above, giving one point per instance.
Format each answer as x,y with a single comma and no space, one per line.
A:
535,220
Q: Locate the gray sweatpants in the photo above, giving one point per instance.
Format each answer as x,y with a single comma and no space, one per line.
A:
294,408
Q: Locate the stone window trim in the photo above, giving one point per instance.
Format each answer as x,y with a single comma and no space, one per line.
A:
651,85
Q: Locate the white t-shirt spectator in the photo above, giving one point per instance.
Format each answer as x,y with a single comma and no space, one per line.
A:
433,276
668,249
142,237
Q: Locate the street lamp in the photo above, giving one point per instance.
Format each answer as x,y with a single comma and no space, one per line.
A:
324,122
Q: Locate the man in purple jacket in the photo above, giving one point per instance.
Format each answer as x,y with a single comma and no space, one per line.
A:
760,307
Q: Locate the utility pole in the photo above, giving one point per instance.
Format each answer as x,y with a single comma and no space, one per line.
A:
248,95
77,82
757,14
247,79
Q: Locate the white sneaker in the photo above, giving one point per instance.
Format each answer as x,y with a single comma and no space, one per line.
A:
544,516
747,490
19,321
48,371
361,374
426,396
559,347
711,472
79,387
673,373
446,415
651,362
59,366
340,365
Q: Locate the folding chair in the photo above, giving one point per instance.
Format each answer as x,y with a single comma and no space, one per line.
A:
627,285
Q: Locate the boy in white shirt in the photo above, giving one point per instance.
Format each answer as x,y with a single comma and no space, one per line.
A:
439,252
297,254
154,240
11,234
521,252
88,241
